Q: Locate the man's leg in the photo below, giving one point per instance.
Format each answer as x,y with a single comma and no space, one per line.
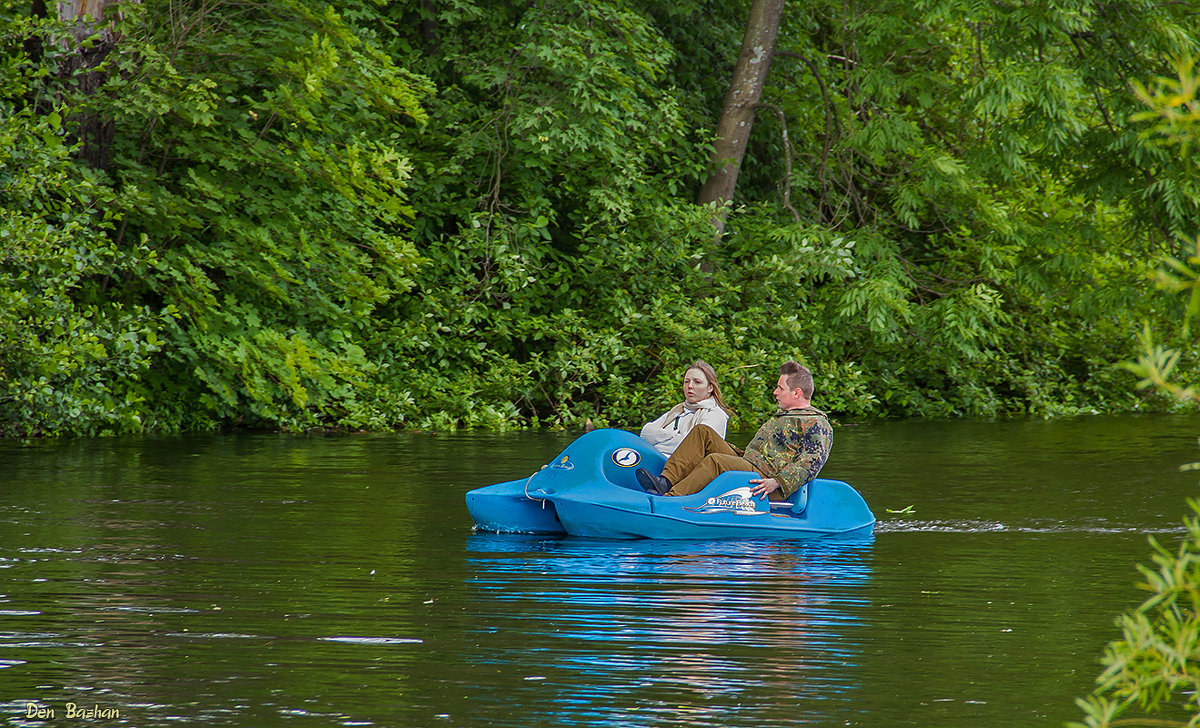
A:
701,442
710,467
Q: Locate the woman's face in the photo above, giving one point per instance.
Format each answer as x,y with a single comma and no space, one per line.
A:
696,386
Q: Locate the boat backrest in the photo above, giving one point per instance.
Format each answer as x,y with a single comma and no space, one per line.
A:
799,499
796,502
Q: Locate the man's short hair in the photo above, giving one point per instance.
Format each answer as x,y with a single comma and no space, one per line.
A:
798,377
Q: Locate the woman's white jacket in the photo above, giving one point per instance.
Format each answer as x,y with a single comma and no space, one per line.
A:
666,432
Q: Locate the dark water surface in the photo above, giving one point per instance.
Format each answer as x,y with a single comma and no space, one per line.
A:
275,580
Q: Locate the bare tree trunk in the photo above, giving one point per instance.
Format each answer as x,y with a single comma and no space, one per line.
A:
429,24
86,16
737,118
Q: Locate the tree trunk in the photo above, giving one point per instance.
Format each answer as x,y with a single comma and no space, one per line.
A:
87,17
85,14
737,117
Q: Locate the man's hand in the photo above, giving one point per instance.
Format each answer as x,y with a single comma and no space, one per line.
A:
763,486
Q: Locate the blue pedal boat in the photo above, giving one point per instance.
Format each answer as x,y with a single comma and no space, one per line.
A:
590,490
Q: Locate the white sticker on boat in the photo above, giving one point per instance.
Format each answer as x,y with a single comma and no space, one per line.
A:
739,500
626,457
564,464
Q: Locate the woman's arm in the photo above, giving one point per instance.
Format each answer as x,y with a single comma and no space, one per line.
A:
716,418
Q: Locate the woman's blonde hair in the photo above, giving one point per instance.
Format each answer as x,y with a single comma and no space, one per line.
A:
711,375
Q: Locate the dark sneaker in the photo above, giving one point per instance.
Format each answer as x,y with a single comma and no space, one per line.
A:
651,483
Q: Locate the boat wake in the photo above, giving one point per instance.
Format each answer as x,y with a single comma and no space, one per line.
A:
983,526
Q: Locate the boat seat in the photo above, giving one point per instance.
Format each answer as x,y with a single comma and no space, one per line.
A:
796,502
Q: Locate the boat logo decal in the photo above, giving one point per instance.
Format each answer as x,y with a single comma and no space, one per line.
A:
626,457
739,500
564,464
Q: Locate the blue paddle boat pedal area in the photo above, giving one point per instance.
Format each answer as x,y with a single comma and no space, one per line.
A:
590,490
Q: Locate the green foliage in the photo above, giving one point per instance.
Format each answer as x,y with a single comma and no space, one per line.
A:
960,145
1174,109
70,358
266,178
1151,669
557,243
371,215
945,264
1175,106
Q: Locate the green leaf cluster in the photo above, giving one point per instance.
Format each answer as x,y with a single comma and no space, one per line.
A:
469,214
1152,669
953,248
71,358
1005,211
255,177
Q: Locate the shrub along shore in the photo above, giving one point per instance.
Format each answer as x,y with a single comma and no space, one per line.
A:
298,215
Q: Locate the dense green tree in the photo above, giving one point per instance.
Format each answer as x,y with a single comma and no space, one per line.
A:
1000,208
275,195
941,243
252,157
436,214
70,356
555,181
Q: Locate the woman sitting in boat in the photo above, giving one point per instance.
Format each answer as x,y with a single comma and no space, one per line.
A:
701,405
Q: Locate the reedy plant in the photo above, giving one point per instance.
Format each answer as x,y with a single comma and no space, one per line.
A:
1152,670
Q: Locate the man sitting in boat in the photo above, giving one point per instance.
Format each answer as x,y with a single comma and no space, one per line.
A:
701,405
787,451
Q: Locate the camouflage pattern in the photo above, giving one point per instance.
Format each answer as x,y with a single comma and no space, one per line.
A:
791,447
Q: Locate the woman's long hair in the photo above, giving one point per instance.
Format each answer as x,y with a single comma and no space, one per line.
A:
711,375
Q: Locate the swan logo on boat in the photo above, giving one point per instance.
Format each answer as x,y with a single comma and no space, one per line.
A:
739,500
626,457
564,464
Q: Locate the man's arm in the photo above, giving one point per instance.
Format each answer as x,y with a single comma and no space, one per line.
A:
808,448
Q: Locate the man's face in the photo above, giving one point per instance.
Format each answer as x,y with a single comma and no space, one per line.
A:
788,398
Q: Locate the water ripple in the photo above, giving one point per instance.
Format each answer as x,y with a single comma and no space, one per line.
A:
982,526
374,640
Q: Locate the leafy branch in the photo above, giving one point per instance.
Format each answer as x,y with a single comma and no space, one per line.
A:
1156,663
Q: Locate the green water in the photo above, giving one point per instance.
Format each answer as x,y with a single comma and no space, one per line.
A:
274,580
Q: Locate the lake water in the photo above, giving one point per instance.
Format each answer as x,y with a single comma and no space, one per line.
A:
287,580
